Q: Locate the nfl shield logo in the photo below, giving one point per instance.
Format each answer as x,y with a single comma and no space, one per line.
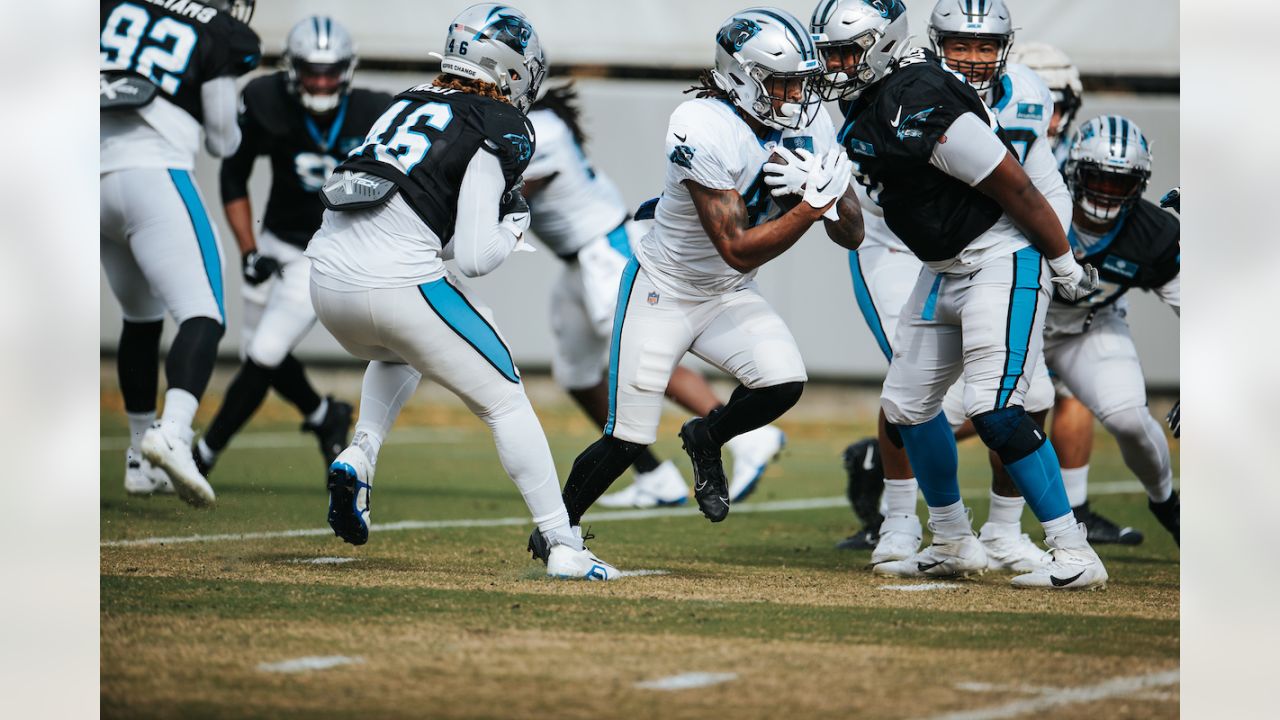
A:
653,298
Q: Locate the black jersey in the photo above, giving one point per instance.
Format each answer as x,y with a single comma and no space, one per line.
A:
302,148
425,140
176,44
1141,251
890,132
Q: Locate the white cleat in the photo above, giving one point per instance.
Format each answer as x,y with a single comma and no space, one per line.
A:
946,557
173,455
350,484
567,563
900,537
752,452
1073,565
1012,551
664,485
143,478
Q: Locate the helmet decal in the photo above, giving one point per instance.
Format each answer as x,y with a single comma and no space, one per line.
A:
510,30
888,9
732,38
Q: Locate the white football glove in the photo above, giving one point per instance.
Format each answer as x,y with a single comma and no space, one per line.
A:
1073,280
828,181
516,222
789,179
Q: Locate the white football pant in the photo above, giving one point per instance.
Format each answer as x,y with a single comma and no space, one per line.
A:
278,312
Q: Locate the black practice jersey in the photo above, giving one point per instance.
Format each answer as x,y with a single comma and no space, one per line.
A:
1141,251
425,140
176,44
303,151
890,132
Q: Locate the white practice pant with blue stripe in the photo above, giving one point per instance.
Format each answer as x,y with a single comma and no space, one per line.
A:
883,278
582,306
986,326
278,312
738,332
159,249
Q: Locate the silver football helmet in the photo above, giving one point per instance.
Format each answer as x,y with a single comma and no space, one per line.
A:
1108,166
859,40
496,44
1060,74
973,20
241,10
319,59
768,65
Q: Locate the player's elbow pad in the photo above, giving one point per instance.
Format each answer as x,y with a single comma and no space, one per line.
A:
224,144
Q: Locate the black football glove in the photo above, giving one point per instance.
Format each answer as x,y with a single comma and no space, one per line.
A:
1173,199
259,268
1174,418
513,201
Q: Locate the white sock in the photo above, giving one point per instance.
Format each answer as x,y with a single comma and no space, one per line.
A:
138,424
179,412
1077,482
900,497
951,520
383,393
317,416
1066,526
1005,516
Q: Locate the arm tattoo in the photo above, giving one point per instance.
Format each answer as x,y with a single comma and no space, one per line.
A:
723,213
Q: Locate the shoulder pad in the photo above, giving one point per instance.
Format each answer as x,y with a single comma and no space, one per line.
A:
347,190
508,133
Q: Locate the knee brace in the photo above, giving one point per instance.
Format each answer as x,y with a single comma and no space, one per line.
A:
1010,432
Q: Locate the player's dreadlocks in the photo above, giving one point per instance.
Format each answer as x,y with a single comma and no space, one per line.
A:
707,88
469,85
563,101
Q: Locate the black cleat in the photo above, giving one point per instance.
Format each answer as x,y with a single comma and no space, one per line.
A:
864,539
1169,514
538,546
1103,531
710,487
866,482
204,467
334,430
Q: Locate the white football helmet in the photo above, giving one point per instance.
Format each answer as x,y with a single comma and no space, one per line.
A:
1108,166
768,65
859,40
319,58
973,20
1060,74
241,10
496,44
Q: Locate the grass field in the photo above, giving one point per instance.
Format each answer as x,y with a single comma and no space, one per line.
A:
446,618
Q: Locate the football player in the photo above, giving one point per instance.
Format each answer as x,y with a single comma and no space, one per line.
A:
950,185
580,215
1072,425
690,285
972,40
165,76
437,178
306,118
1087,341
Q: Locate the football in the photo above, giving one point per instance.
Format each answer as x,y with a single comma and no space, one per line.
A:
784,202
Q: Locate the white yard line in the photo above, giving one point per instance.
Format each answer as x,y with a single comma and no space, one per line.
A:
687,681
606,516
303,664
272,440
321,561
1055,697
637,573
922,587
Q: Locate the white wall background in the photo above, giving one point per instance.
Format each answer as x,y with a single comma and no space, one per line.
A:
625,119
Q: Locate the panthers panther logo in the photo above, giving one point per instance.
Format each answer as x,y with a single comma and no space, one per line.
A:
509,30
522,147
736,35
888,9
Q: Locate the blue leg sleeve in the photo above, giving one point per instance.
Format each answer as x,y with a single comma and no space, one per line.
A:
1039,479
931,447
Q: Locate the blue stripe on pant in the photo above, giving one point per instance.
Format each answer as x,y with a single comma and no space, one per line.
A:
619,240
867,305
1024,300
466,321
625,285
204,234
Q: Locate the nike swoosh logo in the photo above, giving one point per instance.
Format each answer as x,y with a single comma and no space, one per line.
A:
896,118
929,566
680,137
1059,582
825,184
867,463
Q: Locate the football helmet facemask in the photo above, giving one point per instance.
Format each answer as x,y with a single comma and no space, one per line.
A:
1108,167
319,58
858,40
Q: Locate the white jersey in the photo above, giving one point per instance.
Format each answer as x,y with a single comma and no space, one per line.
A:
708,143
157,135
581,203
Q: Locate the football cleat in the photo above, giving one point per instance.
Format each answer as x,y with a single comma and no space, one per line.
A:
538,546
946,557
664,485
1011,551
900,537
172,455
350,488
143,478
866,480
1072,565
1103,531
864,539
334,430
1169,514
710,487
752,452
565,562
